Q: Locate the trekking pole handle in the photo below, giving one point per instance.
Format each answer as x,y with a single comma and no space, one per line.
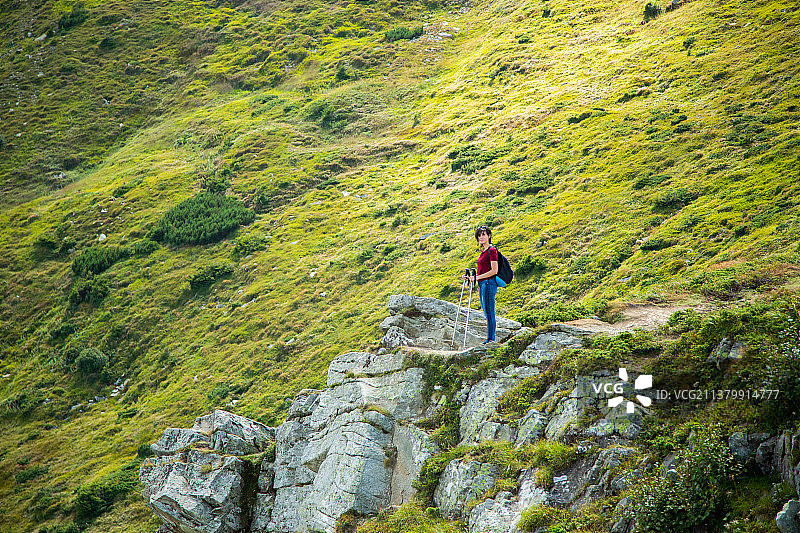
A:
474,276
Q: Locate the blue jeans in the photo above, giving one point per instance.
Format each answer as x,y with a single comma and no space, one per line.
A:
487,289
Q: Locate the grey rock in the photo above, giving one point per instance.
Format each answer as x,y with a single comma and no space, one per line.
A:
413,447
177,439
788,518
463,482
727,350
529,494
395,338
531,428
429,323
194,492
738,444
496,515
548,345
480,406
262,521
363,363
234,434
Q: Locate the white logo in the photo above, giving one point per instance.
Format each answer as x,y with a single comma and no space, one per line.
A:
645,381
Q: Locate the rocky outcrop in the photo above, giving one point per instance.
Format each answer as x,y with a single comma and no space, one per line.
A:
357,446
481,406
788,518
463,482
582,483
197,483
429,323
352,447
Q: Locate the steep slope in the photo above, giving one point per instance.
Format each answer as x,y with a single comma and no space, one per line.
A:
616,160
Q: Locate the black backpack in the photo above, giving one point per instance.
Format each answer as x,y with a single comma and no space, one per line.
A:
504,272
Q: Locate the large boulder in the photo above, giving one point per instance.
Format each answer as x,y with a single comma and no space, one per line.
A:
788,518
177,439
195,492
463,482
479,410
429,323
233,434
546,346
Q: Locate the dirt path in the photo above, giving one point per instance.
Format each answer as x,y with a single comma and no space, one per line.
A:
636,316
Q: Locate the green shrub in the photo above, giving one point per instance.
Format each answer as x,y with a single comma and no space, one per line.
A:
651,11
61,331
95,498
248,244
656,243
91,290
97,259
530,266
201,219
91,361
47,245
69,527
540,516
534,182
472,158
674,199
562,312
412,517
208,274
144,247
74,17
28,474
21,403
693,498
402,32
144,451
650,181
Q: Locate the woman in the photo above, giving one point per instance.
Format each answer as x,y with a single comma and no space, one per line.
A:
488,266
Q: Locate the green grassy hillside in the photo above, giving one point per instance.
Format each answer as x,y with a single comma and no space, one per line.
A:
616,160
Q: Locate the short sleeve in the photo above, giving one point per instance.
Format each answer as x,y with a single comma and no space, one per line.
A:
493,254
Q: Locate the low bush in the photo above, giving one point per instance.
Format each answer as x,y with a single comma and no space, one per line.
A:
91,361
562,312
693,498
650,180
92,290
75,17
674,199
651,11
61,331
144,247
95,498
201,219
69,527
534,182
412,517
208,274
248,244
28,474
97,259
472,158
530,266
656,243
402,32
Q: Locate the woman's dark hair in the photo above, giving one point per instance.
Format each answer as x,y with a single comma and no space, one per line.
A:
483,229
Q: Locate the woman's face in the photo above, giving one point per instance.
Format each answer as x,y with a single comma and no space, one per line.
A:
483,238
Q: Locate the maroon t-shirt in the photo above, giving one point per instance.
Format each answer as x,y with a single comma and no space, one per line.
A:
485,260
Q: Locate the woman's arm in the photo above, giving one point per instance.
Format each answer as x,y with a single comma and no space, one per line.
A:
492,271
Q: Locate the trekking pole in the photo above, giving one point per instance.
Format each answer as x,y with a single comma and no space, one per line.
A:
472,275
458,309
